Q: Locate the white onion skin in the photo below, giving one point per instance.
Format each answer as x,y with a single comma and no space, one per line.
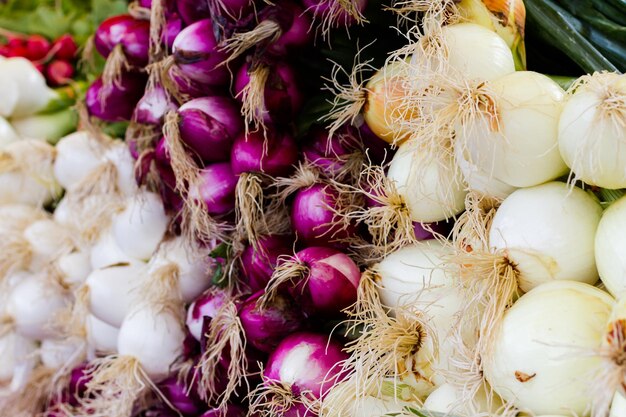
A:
75,267
154,338
447,399
366,406
112,291
7,132
548,232
542,334
610,248
119,155
193,267
60,353
101,336
77,156
473,52
139,229
13,349
433,191
106,252
524,151
33,92
618,406
48,240
33,304
590,144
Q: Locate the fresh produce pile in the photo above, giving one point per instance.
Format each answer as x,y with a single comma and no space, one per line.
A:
314,208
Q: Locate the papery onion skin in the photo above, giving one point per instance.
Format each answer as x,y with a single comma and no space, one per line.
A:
215,187
119,102
274,155
124,30
259,262
610,249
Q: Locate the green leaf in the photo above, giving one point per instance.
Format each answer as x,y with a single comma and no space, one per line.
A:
220,251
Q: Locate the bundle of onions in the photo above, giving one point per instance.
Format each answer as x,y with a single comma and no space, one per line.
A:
300,372
591,130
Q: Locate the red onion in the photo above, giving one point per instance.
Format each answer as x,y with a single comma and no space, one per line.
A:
336,14
232,410
196,55
173,27
323,280
133,35
378,151
176,393
188,87
266,327
331,155
295,27
280,97
215,188
307,364
114,103
258,262
274,155
313,219
193,10
207,305
153,106
209,125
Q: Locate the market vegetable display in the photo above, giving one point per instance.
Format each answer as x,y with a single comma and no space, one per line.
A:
310,208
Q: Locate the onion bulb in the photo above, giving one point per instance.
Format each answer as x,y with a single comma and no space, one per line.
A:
448,399
610,248
538,361
592,133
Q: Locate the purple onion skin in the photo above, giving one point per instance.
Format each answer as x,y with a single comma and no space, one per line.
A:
249,154
312,361
312,219
132,34
329,155
331,283
216,188
282,96
295,26
320,8
78,383
232,410
173,27
191,88
176,394
193,10
207,305
197,56
265,328
209,126
258,264
153,106
120,101
377,149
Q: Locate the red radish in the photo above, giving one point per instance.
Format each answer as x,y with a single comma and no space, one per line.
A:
59,72
17,51
15,42
65,47
37,47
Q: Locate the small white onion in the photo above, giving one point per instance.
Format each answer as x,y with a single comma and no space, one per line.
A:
62,353
548,232
610,248
120,155
13,350
48,240
77,156
139,229
521,150
7,133
618,407
154,337
592,137
538,359
33,92
105,252
448,399
75,267
112,291
101,336
432,189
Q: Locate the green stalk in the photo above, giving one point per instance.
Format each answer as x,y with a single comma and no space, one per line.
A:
563,80
64,97
49,127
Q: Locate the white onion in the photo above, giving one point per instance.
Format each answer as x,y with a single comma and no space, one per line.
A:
610,248
433,189
362,406
101,337
105,252
592,137
120,155
113,291
155,338
77,156
75,267
33,92
48,240
33,305
141,226
193,266
521,150
538,360
7,133
448,399
62,353
13,350
548,232
618,407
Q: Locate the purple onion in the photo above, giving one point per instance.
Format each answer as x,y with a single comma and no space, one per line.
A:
132,34
329,155
215,187
259,263
377,149
78,383
176,394
188,87
282,96
209,125
173,27
205,306
232,410
321,8
196,54
274,155
193,10
266,327
328,284
153,106
118,101
295,27
313,220
311,360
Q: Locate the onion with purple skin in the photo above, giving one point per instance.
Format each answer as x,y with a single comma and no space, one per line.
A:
335,157
189,88
193,10
115,103
177,394
378,151
266,327
196,55
258,262
232,410
153,106
334,13
314,216
205,306
173,27
304,365
323,280
78,383
269,94
132,36
215,188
